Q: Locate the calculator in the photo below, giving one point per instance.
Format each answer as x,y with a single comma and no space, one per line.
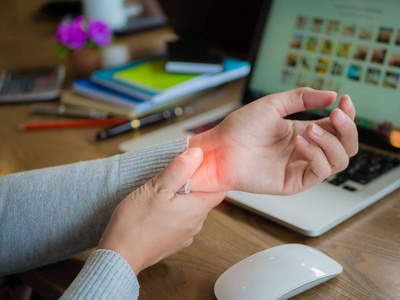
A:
28,85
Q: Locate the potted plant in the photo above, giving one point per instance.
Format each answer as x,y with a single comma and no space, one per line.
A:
83,40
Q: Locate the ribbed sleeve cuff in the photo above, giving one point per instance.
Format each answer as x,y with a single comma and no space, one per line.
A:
149,162
105,275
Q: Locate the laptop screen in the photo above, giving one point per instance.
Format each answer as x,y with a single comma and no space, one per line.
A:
349,46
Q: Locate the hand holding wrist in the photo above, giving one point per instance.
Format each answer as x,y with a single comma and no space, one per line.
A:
154,222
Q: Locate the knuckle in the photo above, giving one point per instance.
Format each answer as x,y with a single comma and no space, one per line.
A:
155,187
344,163
143,192
181,162
197,229
339,163
299,93
188,243
322,167
353,151
326,171
301,90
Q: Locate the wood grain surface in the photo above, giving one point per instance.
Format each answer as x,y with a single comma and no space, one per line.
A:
367,245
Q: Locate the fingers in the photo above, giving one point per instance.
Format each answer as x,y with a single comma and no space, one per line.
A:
326,155
346,131
300,99
331,147
346,105
198,205
179,171
317,167
341,124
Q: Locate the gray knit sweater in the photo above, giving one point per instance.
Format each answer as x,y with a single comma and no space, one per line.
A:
51,214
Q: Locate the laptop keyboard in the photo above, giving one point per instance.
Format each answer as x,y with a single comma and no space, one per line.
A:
363,167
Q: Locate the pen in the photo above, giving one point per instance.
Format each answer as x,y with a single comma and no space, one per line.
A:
134,124
74,123
62,110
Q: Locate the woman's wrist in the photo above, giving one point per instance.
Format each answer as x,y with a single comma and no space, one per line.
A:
206,177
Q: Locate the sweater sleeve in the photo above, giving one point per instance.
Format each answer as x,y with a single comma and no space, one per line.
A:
51,214
105,275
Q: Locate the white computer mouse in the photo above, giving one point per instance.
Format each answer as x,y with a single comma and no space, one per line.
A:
280,272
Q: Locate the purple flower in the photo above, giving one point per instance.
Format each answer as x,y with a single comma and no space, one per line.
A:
71,35
78,33
80,21
99,33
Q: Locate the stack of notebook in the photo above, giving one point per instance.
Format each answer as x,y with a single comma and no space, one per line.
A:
144,86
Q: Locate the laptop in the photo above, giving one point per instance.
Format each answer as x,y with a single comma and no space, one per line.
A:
226,24
350,46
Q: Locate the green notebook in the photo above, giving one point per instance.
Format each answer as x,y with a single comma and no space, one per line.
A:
152,76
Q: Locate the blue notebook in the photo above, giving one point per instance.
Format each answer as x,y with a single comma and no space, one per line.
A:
105,78
89,89
234,69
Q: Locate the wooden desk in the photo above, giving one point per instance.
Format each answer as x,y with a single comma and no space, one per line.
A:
367,245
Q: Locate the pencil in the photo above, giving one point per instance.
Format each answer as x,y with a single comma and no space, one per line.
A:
73,123
68,111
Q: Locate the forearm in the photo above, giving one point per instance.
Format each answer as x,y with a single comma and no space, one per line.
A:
51,214
105,275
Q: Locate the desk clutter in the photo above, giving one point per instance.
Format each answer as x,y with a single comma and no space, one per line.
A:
139,92
27,85
106,80
145,84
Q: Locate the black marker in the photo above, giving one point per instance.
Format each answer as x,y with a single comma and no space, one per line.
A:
137,123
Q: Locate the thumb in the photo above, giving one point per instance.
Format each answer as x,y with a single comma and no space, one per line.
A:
300,99
180,169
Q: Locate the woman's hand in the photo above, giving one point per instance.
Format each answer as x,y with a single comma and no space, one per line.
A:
256,150
154,222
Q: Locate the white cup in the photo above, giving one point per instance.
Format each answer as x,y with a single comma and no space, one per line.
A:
113,12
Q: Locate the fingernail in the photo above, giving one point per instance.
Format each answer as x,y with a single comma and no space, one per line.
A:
341,117
317,130
349,103
302,140
195,152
